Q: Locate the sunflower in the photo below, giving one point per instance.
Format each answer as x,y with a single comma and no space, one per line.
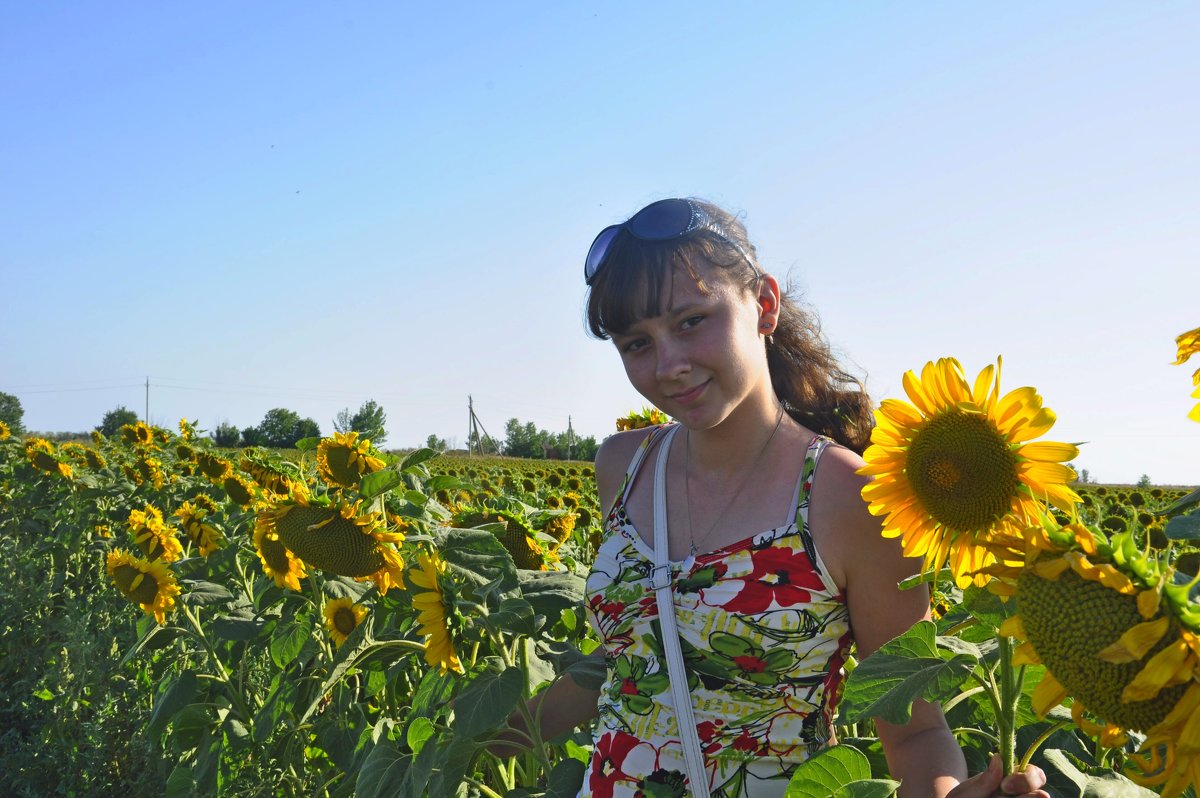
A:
1117,634
517,536
214,467
337,537
637,419
137,434
429,599
1189,344
42,456
343,459
147,583
153,536
205,502
95,460
150,470
270,478
5,432
238,489
278,563
342,616
187,429
953,468
97,437
204,535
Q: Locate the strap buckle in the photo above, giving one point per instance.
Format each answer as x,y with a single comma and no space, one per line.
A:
660,576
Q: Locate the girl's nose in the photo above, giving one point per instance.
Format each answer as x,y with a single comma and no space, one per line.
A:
672,361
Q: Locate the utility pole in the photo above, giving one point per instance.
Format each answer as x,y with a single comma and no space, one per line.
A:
476,434
570,438
147,416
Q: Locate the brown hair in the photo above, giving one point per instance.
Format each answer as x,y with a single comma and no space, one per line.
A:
814,387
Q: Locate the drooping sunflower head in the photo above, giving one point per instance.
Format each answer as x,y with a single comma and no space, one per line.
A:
238,489
5,432
151,534
201,532
150,470
95,461
147,583
336,536
342,616
1117,634
272,479
41,455
1188,344
517,536
343,459
277,561
214,467
956,465
137,434
433,600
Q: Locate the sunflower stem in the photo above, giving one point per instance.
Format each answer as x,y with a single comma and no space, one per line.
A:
978,733
483,788
963,696
1041,738
234,693
1006,718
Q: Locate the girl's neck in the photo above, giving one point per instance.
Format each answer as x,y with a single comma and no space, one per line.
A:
728,447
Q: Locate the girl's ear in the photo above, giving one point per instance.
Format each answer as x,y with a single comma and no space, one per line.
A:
768,304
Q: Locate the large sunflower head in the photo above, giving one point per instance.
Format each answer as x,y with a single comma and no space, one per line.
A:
137,434
153,536
270,478
95,460
517,536
336,536
431,591
41,455
239,489
1115,632
147,583
343,459
342,616
956,466
277,561
213,466
1188,344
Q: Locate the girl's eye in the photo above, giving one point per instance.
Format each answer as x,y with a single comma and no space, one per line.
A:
634,345
692,321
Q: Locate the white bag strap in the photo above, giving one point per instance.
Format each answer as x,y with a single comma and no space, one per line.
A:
660,580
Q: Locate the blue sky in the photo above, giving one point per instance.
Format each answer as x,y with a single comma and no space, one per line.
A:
307,205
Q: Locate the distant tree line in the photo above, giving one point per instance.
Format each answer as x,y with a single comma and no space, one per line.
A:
526,440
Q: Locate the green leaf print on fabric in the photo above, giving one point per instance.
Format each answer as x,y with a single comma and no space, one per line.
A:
633,686
743,659
663,784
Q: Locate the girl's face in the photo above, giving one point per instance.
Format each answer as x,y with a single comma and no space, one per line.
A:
703,355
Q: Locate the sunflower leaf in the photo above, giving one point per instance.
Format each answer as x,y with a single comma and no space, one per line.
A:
1190,500
842,771
447,780
307,444
199,593
487,701
565,779
903,670
383,772
378,483
289,639
477,556
175,698
416,457
1072,778
551,592
1184,527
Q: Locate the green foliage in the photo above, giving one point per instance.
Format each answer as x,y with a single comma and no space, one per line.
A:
115,419
369,421
280,429
226,435
11,413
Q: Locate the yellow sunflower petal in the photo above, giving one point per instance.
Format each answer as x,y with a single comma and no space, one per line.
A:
1047,695
1136,642
1157,672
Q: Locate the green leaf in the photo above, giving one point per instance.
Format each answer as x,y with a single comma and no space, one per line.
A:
44,694
416,497
868,788
487,701
1184,527
551,592
828,772
514,616
447,781
176,697
589,672
444,482
478,557
416,457
1190,500
231,628
903,670
1072,778
180,783
565,779
419,732
379,482
288,640
382,773
431,692
308,444
926,578
198,593
986,606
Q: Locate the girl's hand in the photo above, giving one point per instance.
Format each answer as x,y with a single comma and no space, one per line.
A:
989,784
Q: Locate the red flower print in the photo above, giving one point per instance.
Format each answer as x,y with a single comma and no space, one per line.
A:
607,761
782,576
707,732
750,664
744,742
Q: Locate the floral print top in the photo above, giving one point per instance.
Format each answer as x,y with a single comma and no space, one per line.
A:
764,633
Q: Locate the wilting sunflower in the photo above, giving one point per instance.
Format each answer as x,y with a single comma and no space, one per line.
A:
147,583
205,502
278,563
429,599
342,616
953,468
153,536
271,479
95,460
1117,634
204,535
337,537
518,536
97,438
150,470
1189,344
42,456
5,432
343,459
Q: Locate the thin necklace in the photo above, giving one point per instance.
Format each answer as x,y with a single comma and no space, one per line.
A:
687,470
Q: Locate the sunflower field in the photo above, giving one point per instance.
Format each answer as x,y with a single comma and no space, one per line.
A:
180,619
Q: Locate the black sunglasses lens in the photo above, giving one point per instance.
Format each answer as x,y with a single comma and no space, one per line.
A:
663,220
599,251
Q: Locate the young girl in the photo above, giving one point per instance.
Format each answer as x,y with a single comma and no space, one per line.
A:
776,565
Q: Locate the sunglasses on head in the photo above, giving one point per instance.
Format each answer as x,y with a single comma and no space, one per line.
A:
659,221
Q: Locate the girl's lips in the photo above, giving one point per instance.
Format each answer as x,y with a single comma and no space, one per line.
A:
691,395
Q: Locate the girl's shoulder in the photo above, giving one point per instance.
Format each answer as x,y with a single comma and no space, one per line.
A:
613,458
838,514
